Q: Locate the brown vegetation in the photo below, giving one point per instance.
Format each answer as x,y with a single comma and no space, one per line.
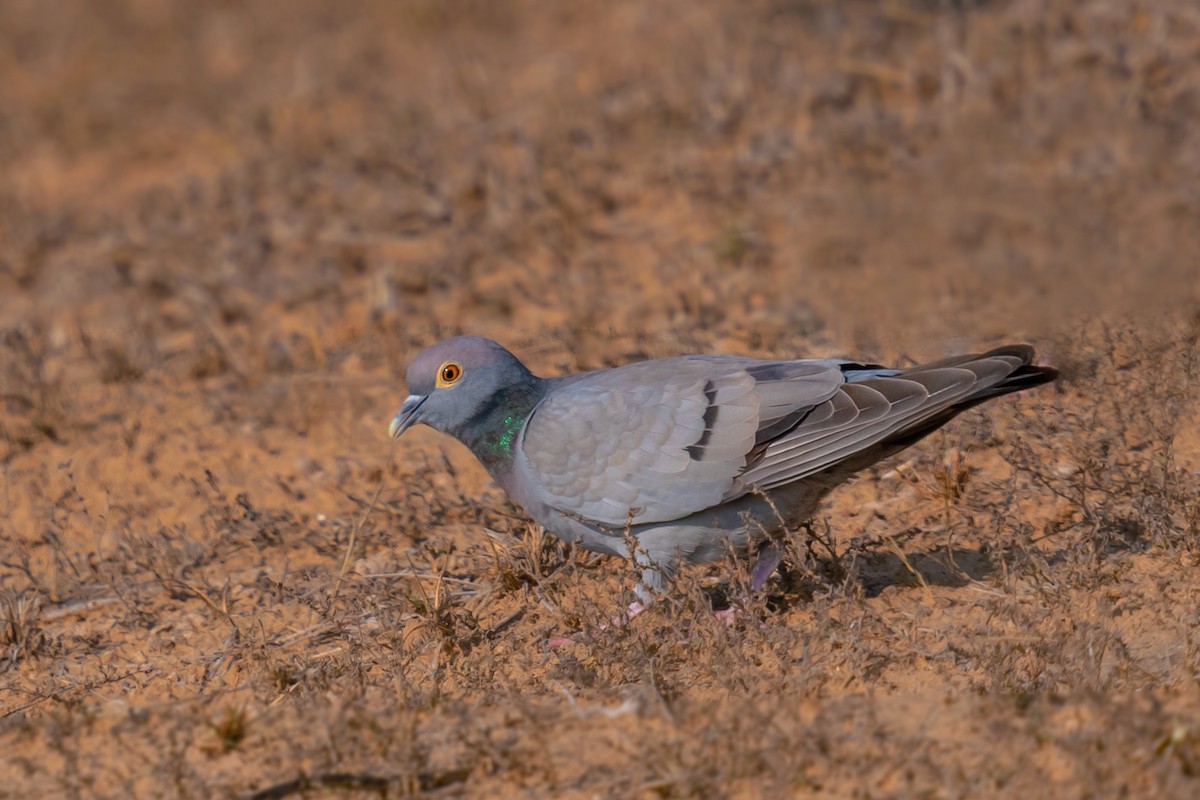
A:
224,228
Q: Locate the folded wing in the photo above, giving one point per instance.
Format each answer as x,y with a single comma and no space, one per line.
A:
661,440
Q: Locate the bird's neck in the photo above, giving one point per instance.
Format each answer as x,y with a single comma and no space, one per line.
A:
493,434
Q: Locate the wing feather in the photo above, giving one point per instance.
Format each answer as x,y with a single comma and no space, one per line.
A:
661,440
866,412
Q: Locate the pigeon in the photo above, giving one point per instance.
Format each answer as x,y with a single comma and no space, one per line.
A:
674,460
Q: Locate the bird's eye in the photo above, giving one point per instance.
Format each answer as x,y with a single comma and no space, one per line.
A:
448,374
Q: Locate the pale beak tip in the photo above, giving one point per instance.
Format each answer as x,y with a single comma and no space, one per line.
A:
406,416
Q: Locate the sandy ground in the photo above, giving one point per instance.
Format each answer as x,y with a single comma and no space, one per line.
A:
225,228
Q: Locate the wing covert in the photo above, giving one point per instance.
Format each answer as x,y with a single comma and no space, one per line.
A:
660,440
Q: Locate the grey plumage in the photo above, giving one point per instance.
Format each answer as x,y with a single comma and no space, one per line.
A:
682,455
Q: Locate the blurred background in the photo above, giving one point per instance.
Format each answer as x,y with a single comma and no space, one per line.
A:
225,227
911,175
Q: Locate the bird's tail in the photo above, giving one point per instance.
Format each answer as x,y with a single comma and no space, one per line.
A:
1023,374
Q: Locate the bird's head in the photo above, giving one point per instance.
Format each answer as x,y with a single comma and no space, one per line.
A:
456,382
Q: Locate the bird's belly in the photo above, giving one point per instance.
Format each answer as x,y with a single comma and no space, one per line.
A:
582,533
708,535
701,537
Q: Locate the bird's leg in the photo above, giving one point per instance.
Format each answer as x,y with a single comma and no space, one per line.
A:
769,558
648,589
652,584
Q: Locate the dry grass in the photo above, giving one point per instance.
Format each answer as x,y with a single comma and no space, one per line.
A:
223,232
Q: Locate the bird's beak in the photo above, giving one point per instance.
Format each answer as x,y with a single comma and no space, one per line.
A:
406,416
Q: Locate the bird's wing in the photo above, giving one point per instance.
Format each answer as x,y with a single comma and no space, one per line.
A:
660,440
880,407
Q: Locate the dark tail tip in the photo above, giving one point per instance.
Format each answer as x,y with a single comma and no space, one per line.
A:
1027,377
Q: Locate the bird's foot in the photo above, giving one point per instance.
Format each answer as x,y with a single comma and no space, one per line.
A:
635,608
555,642
727,615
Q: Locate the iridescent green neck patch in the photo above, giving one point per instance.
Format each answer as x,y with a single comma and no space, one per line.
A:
494,433
509,428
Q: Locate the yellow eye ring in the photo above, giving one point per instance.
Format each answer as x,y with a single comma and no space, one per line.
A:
448,374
